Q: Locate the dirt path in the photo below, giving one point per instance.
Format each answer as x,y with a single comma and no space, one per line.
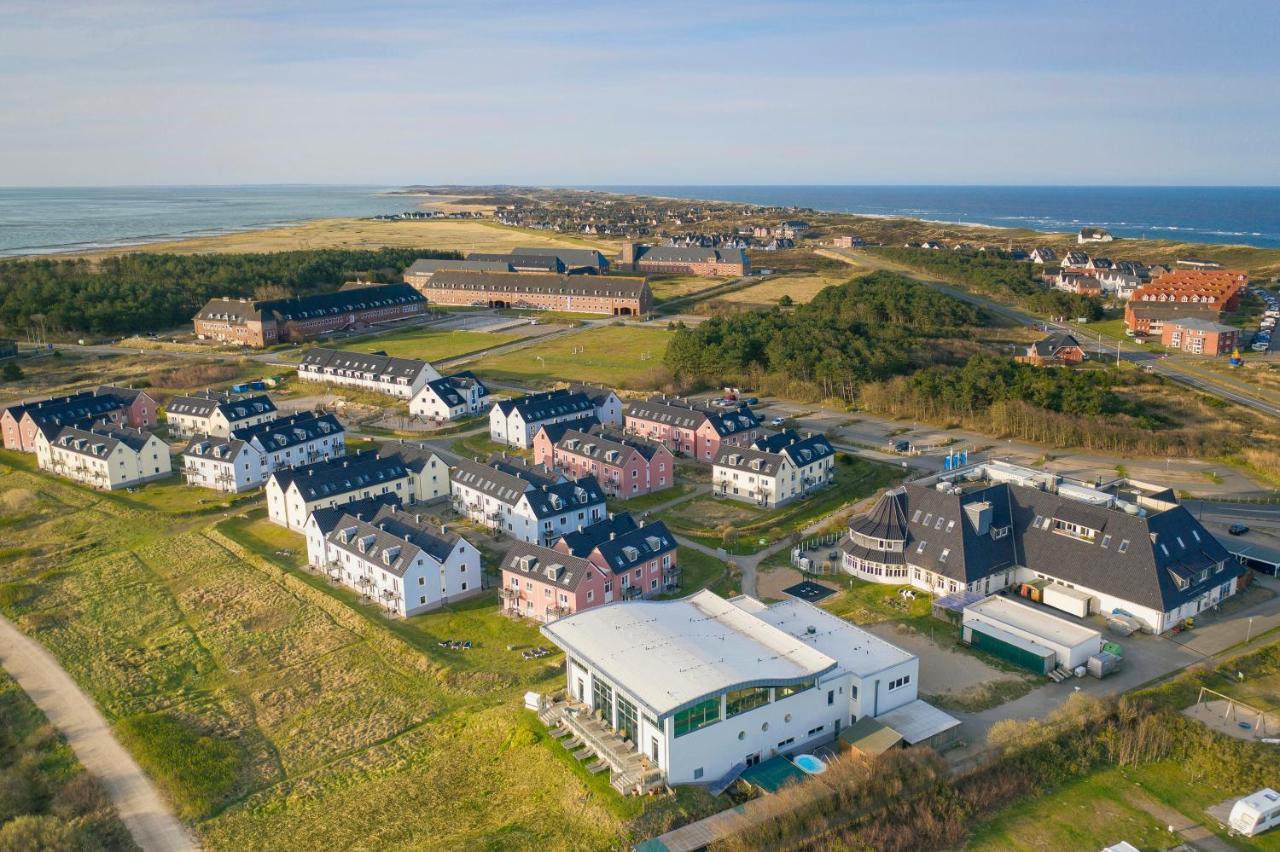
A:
146,815
1195,835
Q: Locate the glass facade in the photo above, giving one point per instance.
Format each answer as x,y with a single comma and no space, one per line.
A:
602,695
742,700
698,716
627,719
784,691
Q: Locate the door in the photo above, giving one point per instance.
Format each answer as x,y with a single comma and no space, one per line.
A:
653,749
582,691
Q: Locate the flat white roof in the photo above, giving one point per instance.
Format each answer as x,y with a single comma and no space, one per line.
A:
668,654
1007,611
917,721
855,649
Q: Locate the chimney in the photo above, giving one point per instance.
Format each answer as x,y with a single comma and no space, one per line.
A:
417,518
443,529
612,535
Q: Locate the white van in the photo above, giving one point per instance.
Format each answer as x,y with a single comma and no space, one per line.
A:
1254,814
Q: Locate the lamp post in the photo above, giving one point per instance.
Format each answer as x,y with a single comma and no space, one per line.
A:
1249,633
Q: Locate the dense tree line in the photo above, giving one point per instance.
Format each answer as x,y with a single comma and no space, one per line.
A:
146,292
999,276
865,330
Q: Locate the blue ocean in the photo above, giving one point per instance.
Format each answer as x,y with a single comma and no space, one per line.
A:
1239,215
44,221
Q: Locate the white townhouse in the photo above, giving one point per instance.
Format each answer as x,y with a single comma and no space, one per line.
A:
705,687
774,470
450,398
397,560
246,458
607,404
293,494
428,471
515,422
527,503
102,456
377,372
216,414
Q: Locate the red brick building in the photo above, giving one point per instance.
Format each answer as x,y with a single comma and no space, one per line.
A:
266,322
1147,319
684,260
611,295
1057,348
1199,336
624,466
692,430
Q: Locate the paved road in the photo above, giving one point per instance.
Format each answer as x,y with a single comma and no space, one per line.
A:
1261,401
144,812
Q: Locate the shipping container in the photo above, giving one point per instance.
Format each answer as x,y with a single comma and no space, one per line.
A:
1101,665
1033,657
1068,600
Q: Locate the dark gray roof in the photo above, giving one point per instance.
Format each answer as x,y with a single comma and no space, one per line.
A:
1200,324
294,430
504,481
621,542
125,395
1172,310
1048,347
72,409
556,431
560,569
341,475
327,518
551,500
392,539
205,404
675,412
537,283
310,307
99,441
377,366
689,254
536,407
885,520
801,451
571,258
213,447
749,459
416,456
597,443
17,410
514,261
429,266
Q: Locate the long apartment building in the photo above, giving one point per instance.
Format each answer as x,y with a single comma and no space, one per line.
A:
625,466
773,471
1126,546
684,260
610,295
249,455
265,322
1192,293
294,493
515,422
613,559
103,456
217,414
525,502
398,377
21,422
691,430
397,560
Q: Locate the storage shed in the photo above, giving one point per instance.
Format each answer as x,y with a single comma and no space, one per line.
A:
1027,635
1072,601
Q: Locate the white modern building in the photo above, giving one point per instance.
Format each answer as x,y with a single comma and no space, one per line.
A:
525,502
398,377
222,464
397,560
704,687
450,398
102,456
246,458
515,422
775,470
216,414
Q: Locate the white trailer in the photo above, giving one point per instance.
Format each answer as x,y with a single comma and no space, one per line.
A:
1254,814
1071,601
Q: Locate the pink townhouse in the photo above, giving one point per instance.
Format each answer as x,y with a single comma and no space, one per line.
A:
543,584
140,409
692,430
624,466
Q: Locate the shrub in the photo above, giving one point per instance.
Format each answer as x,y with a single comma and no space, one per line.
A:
198,770
43,833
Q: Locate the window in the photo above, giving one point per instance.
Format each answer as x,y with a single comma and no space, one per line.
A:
942,557
915,517
1124,545
938,525
788,741
1106,540
928,519
786,691
698,716
920,547
831,697
898,683
1039,519
741,700
422,599
697,773
951,525
816,730
591,595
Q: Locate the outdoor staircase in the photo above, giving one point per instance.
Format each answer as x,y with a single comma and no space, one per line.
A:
1060,674
587,737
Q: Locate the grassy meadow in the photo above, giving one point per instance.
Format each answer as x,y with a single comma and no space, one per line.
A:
429,345
267,703
800,286
668,287
612,355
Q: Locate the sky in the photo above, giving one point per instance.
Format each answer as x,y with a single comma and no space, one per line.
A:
119,92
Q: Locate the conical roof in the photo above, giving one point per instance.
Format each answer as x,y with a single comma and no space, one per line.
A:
886,520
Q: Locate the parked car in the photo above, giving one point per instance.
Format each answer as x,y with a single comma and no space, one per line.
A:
751,400
777,421
901,446
1238,528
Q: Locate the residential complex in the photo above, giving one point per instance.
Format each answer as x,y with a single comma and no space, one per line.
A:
216,415
103,456
397,377
684,260
983,528
293,494
515,422
1183,293
118,406
611,295
265,322
773,471
450,398
625,466
397,560
250,454
725,684
692,430
527,503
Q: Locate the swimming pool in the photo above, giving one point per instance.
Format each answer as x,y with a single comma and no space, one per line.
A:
810,763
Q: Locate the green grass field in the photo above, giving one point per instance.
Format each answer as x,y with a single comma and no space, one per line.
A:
267,703
429,345
614,355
